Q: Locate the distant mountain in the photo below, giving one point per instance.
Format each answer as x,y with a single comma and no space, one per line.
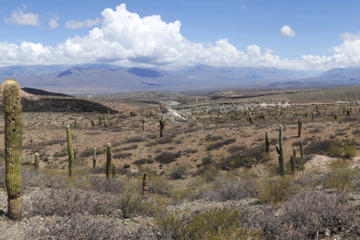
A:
103,78
332,78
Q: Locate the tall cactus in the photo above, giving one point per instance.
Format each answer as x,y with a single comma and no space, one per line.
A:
299,126
145,185
280,151
162,126
36,160
293,162
94,158
13,147
267,142
108,161
301,150
71,156
143,124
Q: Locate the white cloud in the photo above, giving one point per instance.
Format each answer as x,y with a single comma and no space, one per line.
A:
73,24
287,31
126,39
53,22
22,18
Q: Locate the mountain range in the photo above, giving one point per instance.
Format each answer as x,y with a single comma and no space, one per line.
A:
103,78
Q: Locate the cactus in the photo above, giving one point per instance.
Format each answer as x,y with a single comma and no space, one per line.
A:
280,151
70,150
145,185
301,150
113,171
36,160
162,126
105,123
299,126
93,124
94,158
13,147
267,142
293,162
108,161
143,124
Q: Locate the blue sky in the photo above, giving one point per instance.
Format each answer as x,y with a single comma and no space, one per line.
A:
326,31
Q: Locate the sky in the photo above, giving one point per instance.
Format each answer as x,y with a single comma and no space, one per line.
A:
286,34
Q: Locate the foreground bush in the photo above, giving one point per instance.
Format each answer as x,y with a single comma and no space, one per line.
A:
276,189
81,227
340,176
215,224
308,215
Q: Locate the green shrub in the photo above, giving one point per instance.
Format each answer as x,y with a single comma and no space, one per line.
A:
276,189
341,176
215,224
347,151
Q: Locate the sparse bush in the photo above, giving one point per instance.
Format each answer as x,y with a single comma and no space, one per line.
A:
225,189
143,161
307,216
130,204
214,146
229,141
275,189
213,138
165,140
159,185
178,172
67,202
189,151
236,148
167,157
340,176
122,155
217,223
246,157
134,139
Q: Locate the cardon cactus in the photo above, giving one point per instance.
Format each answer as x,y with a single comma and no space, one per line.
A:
293,162
94,158
13,147
108,161
280,151
70,150
145,185
162,126
267,142
143,124
299,126
301,150
36,160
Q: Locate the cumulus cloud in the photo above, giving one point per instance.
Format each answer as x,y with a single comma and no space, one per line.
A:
287,31
20,17
124,38
53,22
73,24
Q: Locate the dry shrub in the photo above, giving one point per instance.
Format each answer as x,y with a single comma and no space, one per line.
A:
245,157
307,215
167,157
80,227
226,189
